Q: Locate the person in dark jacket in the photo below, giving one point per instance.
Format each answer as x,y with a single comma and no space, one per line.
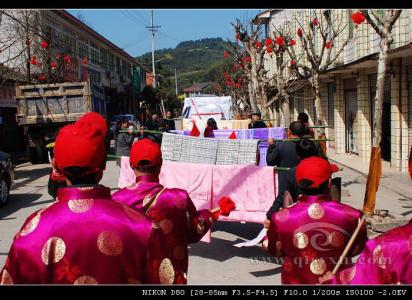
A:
304,149
153,124
256,121
170,123
124,140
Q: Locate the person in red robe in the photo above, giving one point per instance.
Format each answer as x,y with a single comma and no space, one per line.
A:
172,210
85,237
311,234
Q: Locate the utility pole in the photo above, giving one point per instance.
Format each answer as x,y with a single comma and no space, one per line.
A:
153,30
176,80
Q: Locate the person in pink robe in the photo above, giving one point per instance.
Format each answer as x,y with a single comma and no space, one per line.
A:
386,259
171,209
311,234
85,237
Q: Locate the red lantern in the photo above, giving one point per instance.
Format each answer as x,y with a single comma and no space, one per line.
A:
280,41
293,62
44,44
248,59
42,77
315,22
226,74
269,50
67,59
33,61
53,65
226,54
237,36
240,66
328,45
300,32
58,56
258,45
237,85
292,42
85,61
358,18
268,42
234,68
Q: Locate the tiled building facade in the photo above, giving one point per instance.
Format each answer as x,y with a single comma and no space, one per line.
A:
348,87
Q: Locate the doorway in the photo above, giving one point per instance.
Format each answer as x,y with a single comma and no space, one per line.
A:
351,110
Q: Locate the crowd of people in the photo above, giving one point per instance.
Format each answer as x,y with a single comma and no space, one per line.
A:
140,234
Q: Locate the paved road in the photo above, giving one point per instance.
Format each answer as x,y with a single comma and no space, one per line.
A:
216,263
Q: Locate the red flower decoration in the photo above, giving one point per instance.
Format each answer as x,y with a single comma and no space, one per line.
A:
293,62
328,45
85,61
258,45
292,42
226,205
237,85
234,68
33,61
53,65
240,65
269,50
44,44
300,32
268,42
42,77
226,74
226,54
358,18
67,59
248,59
315,22
280,40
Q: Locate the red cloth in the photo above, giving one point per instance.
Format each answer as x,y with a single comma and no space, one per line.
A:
232,136
316,169
80,145
195,131
95,118
145,150
410,163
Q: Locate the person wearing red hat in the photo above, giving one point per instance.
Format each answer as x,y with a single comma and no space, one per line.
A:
312,233
172,210
84,237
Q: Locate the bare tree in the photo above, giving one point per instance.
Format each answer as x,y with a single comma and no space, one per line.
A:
383,27
326,27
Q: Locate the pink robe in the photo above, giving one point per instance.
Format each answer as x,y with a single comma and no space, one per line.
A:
311,235
174,212
86,238
386,259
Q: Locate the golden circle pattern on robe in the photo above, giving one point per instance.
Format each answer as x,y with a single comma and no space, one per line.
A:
336,239
79,206
109,243
300,240
378,257
282,215
200,228
166,272
132,280
166,225
318,266
133,214
31,225
347,275
6,278
85,280
316,211
179,252
53,250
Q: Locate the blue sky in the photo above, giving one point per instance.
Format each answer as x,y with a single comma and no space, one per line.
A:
126,28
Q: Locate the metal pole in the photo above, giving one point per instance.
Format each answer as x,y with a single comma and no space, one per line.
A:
153,49
176,80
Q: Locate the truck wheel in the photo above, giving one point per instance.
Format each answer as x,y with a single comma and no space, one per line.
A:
4,192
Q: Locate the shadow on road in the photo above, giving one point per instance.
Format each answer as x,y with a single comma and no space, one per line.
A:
18,201
247,230
30,175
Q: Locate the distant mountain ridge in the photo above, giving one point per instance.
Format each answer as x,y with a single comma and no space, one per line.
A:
195,61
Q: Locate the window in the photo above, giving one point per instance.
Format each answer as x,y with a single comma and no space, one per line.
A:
83,50
124,68
103,59
111,62
129,70
69,45
118,66
94,56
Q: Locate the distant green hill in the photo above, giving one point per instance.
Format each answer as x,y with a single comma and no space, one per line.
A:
195,61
